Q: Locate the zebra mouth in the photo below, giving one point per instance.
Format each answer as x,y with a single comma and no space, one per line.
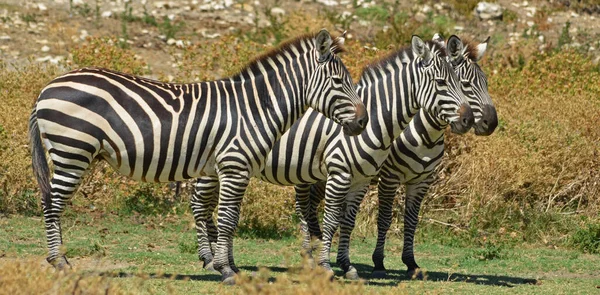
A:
352,128
465,120
488,122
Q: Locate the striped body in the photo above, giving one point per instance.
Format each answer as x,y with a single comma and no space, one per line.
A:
315,150
412,161
158,132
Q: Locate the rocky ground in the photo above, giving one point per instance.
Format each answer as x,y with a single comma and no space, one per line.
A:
45,30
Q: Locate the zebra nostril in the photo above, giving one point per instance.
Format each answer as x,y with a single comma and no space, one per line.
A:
361,122
485,122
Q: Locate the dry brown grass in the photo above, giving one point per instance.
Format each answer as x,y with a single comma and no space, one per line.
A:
29,277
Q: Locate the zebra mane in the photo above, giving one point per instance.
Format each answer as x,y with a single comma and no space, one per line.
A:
400,53
337,47
471,49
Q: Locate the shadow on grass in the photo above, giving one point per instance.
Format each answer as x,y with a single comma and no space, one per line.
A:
364,271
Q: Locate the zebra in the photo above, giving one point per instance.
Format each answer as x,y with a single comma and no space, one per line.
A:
157,132
314,149
412,162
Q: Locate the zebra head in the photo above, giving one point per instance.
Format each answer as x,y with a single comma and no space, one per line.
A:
463,56
438,89
330,89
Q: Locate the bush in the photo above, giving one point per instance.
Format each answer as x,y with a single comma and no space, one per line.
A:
105,53
587,239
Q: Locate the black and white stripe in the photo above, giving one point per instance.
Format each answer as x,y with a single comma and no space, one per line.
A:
413,159
158,132
315,149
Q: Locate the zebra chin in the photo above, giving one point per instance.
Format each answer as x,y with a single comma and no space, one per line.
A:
488,122
352,128
465,120
356,126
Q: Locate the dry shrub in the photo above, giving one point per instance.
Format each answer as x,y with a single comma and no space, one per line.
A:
28,277
105,53
267,211
225,56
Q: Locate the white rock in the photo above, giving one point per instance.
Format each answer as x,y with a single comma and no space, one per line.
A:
45,48
106,14
5,38
179,43
420,17
42,7
277,11
171,41
77,2
487,11
541,38
44,59
83,35
328,2
525,4
426,9
459,28
530,23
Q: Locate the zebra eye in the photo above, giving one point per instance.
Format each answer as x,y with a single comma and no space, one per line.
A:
336,79
441,82
466,83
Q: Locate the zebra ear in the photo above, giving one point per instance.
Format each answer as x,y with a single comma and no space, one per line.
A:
455,49
481,49
439,39
342,38
324,42
420,49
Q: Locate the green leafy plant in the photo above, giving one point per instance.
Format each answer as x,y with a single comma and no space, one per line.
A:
169,28
587,239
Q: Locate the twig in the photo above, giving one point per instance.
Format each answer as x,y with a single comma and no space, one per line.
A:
444,223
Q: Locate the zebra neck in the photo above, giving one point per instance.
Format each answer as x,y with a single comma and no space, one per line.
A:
388,92
428,127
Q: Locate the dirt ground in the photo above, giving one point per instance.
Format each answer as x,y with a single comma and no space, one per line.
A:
45,30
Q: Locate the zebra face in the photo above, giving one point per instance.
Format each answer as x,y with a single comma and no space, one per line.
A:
439,90
330,89
474,84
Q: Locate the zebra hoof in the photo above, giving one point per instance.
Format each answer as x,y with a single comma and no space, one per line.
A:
235,269
230,281
415,274
59,263
352,274
209,266
379,274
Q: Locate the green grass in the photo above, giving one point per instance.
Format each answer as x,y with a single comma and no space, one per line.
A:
137,246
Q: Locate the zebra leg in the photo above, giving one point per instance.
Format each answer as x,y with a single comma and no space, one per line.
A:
203,202
353,201
387,187
302,205
64,183
414,196
335,195
233,184
317,194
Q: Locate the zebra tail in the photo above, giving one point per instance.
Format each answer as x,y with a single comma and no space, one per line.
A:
39,161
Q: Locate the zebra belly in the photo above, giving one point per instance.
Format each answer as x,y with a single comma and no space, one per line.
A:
298,157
